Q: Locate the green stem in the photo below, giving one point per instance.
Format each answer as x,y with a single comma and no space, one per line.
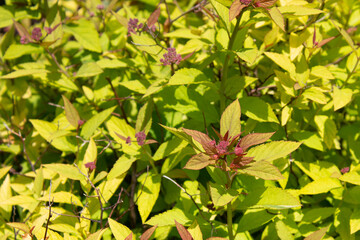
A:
225,69
229,211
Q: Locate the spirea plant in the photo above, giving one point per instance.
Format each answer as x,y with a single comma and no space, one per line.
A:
158,119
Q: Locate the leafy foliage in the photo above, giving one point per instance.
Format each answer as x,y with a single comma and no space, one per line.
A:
219,119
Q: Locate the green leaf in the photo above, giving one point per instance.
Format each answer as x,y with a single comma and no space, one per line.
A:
21,226
148,193
85,33
283,231
117,127
273,150
19,50
94,122
119,231
277,17
223,13
195,231
309,139
144,117
5,194
198,162
317,235
121,166
282,60
318,214
38,182
342,223
263,170
170,147
327,129
62,197
187,76
341,97
351,177
315,94
90,154
4,170
72,114
217,175
321,72
322,185
270,198
147,44
230,120
258,109
65,170
6,17
257,218
23,73
297,10
355,221
89,69
168,218
50,133
220,195
97,235
319,169
18,200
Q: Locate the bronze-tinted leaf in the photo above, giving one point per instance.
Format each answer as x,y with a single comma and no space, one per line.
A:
235,9
198,162
265,3
22,31
184,233
203,139
147,234
254,139
153,17
130,237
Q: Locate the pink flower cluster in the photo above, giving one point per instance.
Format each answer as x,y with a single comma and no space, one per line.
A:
171,57
36,34
134,26
246,2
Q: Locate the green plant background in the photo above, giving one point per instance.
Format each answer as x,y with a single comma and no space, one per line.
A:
294,69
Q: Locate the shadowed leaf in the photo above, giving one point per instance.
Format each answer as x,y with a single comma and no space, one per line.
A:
153,17
235,9
71,113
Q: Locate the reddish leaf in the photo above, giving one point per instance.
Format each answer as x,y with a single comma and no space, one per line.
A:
184,233
121,137
153,17
130,237
150,141
216,238
147,234
22,31
235,9
203,139
240,162
198,161
325,41
265,3
254,139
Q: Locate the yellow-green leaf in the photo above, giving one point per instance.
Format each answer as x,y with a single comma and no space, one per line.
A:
230,120
273,150
121,166
341,97
72,114
277,17
263,170
119,231
94,122
62,197
327,129
23,73
89,69
21,226
220,195
65,170
282,60
148,194
321,185
97,235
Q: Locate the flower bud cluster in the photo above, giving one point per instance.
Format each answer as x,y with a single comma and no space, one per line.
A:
134,26
171,57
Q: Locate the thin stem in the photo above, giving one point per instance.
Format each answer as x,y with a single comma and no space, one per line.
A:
229,211
225,69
